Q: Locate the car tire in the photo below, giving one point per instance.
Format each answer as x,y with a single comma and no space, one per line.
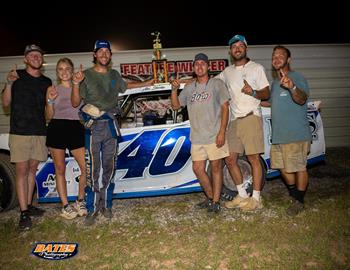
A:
246,170
229,190
8,197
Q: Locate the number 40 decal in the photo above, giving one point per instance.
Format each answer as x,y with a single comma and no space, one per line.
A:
161,155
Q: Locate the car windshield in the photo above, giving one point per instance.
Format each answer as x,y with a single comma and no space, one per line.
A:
146,109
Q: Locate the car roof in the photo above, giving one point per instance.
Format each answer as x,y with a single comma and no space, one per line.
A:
149,89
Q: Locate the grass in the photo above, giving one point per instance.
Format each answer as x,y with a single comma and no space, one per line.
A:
317,239
170,233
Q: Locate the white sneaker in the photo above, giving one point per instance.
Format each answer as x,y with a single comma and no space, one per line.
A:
80,207
252,205
68,212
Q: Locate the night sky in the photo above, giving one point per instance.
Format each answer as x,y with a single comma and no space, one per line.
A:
64,29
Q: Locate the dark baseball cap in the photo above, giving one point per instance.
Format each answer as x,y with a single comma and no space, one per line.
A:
32,47
201,56
101,43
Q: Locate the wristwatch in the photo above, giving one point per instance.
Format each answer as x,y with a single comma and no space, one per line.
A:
50,101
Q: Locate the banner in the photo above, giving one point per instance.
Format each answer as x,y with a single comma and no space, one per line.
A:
184,69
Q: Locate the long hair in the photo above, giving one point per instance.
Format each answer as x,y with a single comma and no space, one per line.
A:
64,60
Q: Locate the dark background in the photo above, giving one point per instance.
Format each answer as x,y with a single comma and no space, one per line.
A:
67,27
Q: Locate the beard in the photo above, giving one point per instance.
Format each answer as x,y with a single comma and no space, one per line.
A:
239,57
280,66
104,63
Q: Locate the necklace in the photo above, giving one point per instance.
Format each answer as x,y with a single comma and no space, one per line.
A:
205,88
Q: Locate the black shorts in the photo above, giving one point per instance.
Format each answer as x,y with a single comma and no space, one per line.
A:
65,134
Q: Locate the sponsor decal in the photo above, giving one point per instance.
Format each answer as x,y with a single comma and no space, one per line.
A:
55,251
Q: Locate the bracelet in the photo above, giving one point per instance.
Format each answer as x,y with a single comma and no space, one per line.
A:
254,93
9,82
50,101
294,88
75,83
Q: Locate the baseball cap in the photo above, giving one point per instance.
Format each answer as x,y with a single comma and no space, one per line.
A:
201,56
102,44
237,38
32,47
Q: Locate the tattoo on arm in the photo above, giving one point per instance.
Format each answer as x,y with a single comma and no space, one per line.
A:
299,96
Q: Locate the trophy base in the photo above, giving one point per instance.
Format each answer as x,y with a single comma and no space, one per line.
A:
165,85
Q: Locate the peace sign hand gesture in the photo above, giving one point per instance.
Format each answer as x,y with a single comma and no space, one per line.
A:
286,82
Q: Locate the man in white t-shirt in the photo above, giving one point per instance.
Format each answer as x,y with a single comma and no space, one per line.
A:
247,85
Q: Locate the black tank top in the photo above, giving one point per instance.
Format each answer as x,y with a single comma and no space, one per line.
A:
28,100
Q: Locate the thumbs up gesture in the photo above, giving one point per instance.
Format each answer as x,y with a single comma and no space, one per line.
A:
52,92
247,89
12,76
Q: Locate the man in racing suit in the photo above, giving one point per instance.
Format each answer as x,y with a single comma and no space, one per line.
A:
99,86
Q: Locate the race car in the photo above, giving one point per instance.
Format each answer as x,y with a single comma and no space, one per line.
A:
154,152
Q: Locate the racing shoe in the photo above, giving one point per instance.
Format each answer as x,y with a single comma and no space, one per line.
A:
25,222
107,212
238,201
252,204
68,212
295,208
80,206
35,211
214,207
204,204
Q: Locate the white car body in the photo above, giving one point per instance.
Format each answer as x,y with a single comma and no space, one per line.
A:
155,159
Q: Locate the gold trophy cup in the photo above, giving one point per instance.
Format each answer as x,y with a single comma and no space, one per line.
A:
159,63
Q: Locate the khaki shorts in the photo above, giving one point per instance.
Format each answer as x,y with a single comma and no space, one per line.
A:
291,156
245,135
24,148
208,151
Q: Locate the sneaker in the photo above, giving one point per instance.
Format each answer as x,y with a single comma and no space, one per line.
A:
80,206
35,211
90,219
25,222
251,205
238,201
107,212
214,207
295,208
204,204
68,212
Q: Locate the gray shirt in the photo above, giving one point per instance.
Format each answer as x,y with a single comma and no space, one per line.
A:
204,102
63,105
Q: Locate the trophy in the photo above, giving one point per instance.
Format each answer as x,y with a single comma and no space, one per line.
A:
159,63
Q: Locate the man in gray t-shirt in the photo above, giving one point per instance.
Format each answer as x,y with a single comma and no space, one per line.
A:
207,103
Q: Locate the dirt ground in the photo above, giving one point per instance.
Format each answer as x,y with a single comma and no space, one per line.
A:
326,180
